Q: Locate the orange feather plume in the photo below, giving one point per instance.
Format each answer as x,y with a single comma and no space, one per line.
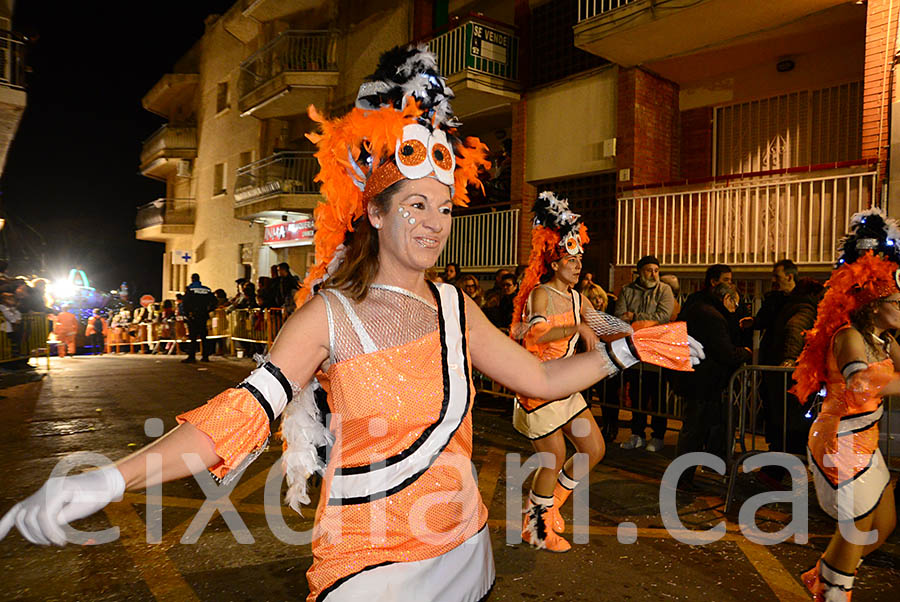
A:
850,287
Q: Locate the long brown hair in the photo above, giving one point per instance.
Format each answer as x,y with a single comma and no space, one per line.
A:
357,271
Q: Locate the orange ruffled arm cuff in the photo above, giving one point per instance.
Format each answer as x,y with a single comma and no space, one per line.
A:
864,388
665,345
235,422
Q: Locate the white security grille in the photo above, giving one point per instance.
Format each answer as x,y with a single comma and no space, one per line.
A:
801,128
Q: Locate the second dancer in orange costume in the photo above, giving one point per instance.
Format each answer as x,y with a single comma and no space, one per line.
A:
550,317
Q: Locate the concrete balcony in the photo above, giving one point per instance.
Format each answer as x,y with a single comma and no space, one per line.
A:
171,91
480,59
637,32
288,74
165,148
748,220
278,184
12,88
165,219
270,10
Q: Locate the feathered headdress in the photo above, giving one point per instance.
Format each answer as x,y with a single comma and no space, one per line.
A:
556,232
402,127
866,270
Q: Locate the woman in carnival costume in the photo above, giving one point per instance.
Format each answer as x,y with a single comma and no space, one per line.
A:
851,357
399,514
550,316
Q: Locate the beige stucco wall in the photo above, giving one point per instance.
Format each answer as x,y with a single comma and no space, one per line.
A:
567,124
222,137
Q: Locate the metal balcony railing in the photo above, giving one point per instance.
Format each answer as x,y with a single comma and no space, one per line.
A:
169,138
166,212
483,240
747,222
291,51
477,45
592,8
12,59
288,172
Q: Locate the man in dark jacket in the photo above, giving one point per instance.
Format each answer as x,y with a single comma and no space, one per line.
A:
708,320
199,300
782,344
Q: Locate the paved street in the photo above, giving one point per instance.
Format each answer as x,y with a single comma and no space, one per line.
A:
100,404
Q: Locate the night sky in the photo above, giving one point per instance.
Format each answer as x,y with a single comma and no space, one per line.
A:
71,183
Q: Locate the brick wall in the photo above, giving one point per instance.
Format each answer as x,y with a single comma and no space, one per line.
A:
696,143
648,127
522,194
881,28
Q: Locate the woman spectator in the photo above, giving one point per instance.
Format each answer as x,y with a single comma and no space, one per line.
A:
451,273
471,287
709,321
593,291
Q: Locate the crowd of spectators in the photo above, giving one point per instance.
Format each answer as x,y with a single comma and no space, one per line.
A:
719,317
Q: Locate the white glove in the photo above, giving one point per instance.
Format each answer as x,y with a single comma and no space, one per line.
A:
61,500
697,353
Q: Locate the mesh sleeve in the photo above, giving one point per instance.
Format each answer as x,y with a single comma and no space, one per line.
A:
605,325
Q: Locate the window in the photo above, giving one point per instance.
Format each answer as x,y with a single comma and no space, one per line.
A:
553,52
221,97
219,179
800,128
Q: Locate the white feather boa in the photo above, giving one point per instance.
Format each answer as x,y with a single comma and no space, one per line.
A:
303,430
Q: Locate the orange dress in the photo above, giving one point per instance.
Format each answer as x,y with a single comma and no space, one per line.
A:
399,514
843,442
536,418
65,328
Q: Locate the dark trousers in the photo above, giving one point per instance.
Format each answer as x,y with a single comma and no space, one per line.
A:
197,330
97,342
786,426
645,389
703,427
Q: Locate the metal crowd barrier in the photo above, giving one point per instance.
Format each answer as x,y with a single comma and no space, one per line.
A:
26,341
744,420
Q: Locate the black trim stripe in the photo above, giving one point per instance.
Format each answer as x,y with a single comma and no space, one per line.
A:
325,592
859,430
527,411
838,571
445,369
861,414
260,398
612,356
353,470
630,342
574,416
842,483
281,378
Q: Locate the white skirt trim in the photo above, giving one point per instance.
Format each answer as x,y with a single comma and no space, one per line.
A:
464,574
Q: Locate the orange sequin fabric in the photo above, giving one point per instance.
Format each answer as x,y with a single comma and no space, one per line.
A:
551,350
384,401
859,396
235,422
664,345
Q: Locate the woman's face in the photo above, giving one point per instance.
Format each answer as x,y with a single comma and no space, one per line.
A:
451,271
568,269
470,286
887,312
416,223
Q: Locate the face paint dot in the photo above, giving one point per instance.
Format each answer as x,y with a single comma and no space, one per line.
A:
412,220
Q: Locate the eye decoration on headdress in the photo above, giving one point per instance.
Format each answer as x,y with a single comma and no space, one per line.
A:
402,127
557,233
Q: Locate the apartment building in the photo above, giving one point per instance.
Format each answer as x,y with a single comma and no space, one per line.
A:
12,79
232,152
744,134
704,132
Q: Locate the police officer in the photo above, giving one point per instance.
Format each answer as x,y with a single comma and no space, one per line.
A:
199,300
